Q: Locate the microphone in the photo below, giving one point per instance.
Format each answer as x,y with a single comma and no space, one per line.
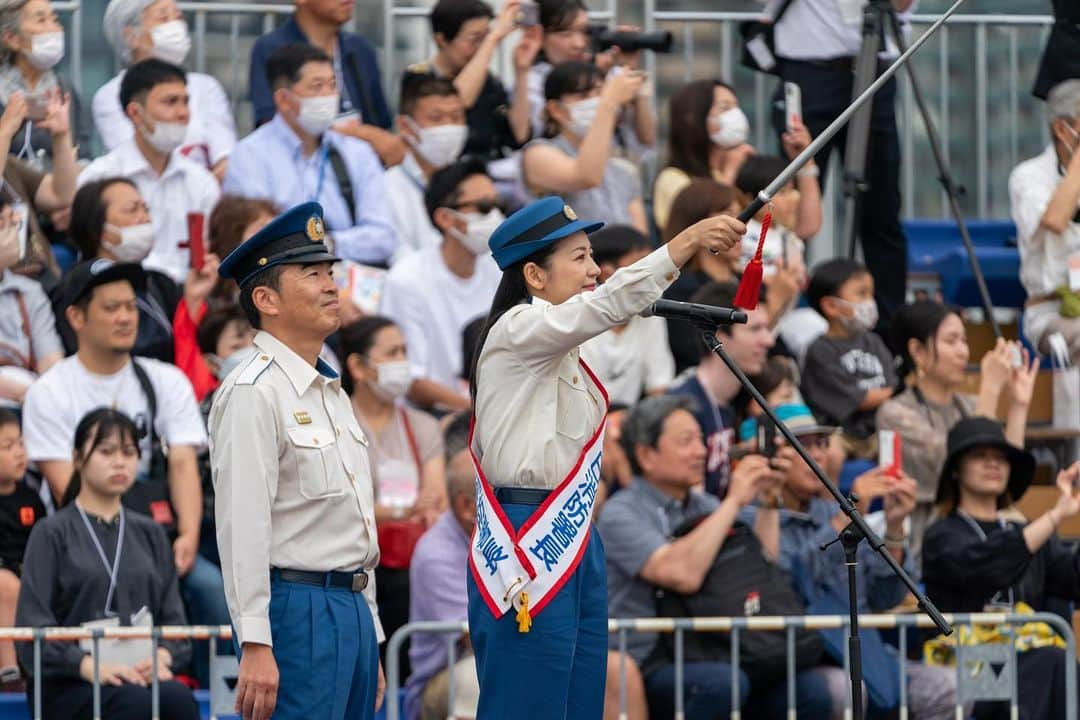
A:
708,314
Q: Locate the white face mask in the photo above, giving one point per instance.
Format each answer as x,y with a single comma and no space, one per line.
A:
864,317
230,362
46,49
135,242
10,246
393,379
478,229
171,41
166,136
318,113
582,114
439,145
734,128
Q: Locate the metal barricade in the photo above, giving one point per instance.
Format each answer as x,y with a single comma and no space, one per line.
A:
975,679
39,636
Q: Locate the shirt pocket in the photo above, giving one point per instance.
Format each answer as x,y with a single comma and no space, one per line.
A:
317,463
572,399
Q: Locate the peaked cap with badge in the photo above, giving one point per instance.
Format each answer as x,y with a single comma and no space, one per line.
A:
296,237
533,228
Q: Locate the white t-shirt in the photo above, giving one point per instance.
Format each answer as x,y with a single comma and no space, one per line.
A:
405,188
432,306
59,399
633,362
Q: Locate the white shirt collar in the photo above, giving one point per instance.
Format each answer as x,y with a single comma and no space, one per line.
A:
299,372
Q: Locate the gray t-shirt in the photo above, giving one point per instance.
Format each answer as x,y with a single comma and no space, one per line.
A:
27,326
633,525
610,200
837,374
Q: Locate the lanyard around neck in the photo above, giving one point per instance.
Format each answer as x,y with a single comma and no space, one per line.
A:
112,571
982,536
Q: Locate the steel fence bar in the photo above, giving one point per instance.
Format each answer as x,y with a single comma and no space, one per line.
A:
213,659
982,149
97,673
38,636
902,662
622,675
155,687
679,707
451,660
943,119
790,652
736,688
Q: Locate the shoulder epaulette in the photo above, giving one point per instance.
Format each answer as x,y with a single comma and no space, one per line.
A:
255,367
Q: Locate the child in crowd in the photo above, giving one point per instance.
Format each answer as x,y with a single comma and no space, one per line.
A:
849,372
20,509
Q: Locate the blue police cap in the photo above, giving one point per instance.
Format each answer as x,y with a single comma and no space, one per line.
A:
533,228
296,237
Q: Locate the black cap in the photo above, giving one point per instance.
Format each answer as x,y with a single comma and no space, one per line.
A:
86,276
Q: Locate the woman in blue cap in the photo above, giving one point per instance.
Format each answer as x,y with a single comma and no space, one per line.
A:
538,585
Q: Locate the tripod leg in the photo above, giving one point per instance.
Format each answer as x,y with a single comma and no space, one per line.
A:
945,176
858,133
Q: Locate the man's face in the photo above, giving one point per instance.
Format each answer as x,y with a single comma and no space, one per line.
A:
749,344
316,79
335,12
306,299
166,102
679,456
435,110
111,320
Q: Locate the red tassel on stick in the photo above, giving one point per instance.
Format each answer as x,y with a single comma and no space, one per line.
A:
750,284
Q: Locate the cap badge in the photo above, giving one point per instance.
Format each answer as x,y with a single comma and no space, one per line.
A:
569,212
262,261
315,230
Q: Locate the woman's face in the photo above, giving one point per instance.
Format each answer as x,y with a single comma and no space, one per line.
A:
109,469
560,110
388,346
571,42
984,471
723,100
945,360
158,13
570,271
124,207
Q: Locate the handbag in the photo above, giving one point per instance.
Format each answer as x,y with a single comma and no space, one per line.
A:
759,42
741,582
398,538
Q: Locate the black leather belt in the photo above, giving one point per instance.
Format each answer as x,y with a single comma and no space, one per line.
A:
521,496
355,582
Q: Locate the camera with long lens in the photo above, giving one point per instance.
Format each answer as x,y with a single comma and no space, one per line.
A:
628,41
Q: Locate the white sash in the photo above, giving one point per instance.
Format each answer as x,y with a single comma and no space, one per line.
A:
541,556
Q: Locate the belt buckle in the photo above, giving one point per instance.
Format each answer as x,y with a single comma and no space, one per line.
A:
359,582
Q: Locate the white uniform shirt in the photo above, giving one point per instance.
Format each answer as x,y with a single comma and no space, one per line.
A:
432,306
534,406
405,187
1044,254
184,187
292,482
818,30
632,362
211,132
59,399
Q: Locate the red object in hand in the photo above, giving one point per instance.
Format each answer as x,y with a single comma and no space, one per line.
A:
750,285
196,245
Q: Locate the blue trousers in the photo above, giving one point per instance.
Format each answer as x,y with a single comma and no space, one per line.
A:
326,652
557,670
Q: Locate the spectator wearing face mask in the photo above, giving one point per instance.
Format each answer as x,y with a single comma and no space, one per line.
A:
573,159
432,120
29,344
565,38
467,34
297,157
433,294
141,29
849,372
406,454
110,220
154,96
32,41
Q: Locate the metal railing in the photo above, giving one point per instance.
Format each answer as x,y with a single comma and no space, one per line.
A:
984,163
788,625
39,636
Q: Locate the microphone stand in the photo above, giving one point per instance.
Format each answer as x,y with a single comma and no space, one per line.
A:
856,531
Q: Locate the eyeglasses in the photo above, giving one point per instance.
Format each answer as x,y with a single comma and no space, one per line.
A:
483,206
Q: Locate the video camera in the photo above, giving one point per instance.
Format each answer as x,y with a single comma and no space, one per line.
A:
604,38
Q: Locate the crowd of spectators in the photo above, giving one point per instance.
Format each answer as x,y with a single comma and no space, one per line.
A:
108,367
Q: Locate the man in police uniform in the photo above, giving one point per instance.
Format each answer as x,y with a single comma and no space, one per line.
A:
294,503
